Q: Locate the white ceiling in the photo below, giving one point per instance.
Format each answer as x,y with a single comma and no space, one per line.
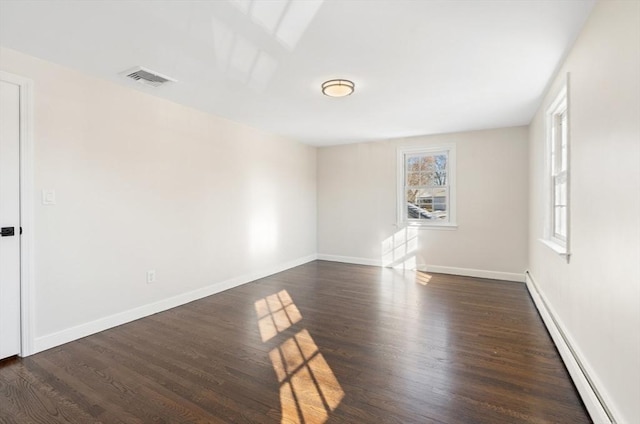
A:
420,67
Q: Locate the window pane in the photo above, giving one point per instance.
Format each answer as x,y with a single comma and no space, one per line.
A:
411,196
561,194
413,179
414,206
425,162
426,179
563,164
440,163
440,202
557,143
413,163
563,142
562,227
440,178
560,222
431,204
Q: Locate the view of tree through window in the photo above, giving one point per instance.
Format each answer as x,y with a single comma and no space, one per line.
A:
427,186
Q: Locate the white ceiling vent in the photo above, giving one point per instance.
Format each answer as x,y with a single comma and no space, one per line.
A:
147,76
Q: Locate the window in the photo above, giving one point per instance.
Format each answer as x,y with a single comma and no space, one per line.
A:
426,192
557,228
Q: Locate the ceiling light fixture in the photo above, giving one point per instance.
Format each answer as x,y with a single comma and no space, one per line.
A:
338,88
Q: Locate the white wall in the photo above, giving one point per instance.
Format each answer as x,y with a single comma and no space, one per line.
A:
357,203
143,183
596,297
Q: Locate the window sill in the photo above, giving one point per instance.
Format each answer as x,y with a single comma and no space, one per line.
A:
559,249
425,226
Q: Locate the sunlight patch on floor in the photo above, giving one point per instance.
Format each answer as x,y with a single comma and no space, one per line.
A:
423,278
276,313
309,390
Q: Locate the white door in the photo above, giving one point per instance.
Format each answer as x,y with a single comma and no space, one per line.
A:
9,219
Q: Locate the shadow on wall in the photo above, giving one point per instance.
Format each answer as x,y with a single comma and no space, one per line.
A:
309,390
399,250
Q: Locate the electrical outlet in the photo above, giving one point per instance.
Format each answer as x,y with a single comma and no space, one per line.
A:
151,276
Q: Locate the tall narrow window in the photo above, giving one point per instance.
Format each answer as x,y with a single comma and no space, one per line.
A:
557,231
426,192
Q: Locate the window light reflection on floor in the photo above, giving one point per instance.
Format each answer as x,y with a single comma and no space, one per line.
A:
423,278
309,390
276,313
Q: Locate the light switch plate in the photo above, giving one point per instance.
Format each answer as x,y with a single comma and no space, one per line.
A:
151,276
48,196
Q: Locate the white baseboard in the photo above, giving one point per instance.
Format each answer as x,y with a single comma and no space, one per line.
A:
591,394
478,273
467,272
349,260
101,324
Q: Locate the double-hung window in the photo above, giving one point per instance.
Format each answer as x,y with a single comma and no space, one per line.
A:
426,190
557,231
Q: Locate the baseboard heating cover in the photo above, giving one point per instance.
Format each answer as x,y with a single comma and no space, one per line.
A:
591,396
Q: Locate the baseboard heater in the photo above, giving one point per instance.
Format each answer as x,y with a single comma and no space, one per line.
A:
593,400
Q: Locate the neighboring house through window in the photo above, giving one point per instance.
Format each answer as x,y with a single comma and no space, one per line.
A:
426,189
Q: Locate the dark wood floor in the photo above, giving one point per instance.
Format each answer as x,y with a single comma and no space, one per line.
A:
323,342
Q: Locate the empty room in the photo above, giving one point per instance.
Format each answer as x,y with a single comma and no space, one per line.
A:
320,211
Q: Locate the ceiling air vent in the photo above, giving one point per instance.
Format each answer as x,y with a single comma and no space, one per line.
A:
147,76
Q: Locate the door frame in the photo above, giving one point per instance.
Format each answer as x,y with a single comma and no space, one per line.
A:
26,211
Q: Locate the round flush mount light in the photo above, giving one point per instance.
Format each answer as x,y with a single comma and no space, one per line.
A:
337,88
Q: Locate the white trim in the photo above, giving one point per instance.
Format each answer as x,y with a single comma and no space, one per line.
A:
478,273
349,260
560,101
101,324
26,210
450,149
559,249
467,272
583,377
445,226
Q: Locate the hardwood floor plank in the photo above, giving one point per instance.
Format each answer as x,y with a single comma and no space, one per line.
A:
320,343
28,399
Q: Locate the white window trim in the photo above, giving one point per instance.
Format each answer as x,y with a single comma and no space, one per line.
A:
401,218
560,102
